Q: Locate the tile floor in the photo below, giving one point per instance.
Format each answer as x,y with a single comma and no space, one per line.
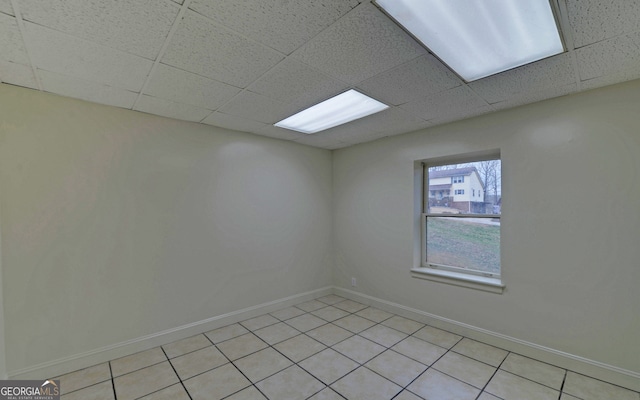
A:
330,349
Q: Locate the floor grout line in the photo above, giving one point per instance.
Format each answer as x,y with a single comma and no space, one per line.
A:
113,382
176,372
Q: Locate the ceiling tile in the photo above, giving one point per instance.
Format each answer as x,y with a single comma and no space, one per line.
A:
412,80
535,96
369,137
207,49
292,82
257,107
550,72
611,79
6,7
244,125
460,115
612,56
17,74
57,52
398,121
184,87
233,122
596,20
391,121
166,108
279,133
11,41
358,46
457,101
322,141
86,90
139,27
282,25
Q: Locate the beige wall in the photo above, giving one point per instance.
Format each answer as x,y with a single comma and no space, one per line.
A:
570,227
117,224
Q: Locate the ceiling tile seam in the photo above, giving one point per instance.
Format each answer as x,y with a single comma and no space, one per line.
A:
430,94
410,112
632,32
84,39
83,80
429,53
603,73
295,60
208,115
19,20
217,110
464,84
567,36
235,32
348,85
163,49
367,93
416,115
201,76
320,72
486,102
565,21
230,100
243,90
403,111
360,3
355,9
576,70
248,87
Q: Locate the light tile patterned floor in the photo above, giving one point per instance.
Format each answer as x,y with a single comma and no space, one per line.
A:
331,349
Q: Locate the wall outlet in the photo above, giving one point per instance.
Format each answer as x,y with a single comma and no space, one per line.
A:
353,282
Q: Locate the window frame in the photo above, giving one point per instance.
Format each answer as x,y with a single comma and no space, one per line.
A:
458,276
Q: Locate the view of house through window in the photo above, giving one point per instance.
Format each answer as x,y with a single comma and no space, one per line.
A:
462,217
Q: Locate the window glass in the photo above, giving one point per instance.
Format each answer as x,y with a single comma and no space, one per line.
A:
463,232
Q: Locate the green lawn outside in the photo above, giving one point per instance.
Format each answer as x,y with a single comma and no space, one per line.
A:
460,243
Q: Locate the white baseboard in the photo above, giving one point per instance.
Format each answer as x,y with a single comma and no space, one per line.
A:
87,359
581,365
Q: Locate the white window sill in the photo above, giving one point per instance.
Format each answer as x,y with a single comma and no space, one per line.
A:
484,283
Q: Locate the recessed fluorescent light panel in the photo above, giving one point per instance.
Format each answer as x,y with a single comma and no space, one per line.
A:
335,111
480,38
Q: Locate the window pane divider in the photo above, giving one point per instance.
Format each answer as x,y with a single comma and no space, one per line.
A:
497,216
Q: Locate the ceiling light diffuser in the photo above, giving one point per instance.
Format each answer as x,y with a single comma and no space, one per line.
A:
480,38
335,111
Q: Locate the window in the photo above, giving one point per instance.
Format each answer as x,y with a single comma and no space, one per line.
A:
473,193
458,179
461,239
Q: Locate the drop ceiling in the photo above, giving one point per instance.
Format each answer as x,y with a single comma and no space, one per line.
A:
244,65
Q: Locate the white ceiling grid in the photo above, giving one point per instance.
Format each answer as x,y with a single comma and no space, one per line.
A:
244,65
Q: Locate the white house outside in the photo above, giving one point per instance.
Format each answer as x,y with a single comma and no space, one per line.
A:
459,189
